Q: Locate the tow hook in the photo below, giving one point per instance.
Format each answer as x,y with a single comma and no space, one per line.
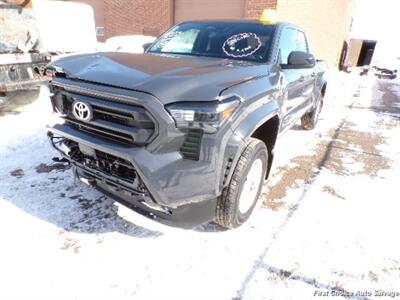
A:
85,180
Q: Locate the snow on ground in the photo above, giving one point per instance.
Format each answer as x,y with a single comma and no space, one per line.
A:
327,221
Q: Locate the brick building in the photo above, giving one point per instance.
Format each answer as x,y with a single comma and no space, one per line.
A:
327,22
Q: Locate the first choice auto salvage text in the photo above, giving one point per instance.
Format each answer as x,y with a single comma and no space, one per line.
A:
341,293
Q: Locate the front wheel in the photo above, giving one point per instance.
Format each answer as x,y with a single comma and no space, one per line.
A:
238,200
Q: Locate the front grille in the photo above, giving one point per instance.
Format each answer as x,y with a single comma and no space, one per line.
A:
112,166
96,130
123,123
137,118
103,166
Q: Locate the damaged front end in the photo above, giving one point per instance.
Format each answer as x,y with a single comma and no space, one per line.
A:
97,168
125,144
118,179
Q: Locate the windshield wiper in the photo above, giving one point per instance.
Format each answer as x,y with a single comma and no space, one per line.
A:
174,53
201,54
210,55
190,54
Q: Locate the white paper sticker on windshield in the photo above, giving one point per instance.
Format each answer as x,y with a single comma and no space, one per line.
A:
167,38
241,45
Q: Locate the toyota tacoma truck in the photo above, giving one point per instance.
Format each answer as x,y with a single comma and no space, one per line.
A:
185,132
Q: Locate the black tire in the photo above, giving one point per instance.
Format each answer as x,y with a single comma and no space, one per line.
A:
228,214
310,119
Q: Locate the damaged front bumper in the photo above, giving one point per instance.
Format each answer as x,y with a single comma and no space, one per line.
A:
111,170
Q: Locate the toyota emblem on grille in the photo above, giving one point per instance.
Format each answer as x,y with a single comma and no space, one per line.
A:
82,111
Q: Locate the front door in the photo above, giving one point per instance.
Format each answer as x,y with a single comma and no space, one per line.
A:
298,84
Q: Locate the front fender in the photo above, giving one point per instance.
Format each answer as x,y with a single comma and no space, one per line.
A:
245,126
260,102
248,124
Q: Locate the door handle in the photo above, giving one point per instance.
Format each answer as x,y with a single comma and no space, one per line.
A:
302,78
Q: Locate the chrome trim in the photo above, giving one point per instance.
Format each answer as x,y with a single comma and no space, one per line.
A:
90,92
227,96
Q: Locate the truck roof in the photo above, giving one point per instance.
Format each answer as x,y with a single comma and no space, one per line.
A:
245,21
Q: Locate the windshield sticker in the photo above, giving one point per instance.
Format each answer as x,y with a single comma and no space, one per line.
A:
241,45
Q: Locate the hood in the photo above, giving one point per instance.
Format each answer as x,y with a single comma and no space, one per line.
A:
170,78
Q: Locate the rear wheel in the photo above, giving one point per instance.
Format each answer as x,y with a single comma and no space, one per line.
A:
238,200
310,119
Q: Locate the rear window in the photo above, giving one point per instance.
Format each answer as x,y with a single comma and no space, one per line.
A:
243,41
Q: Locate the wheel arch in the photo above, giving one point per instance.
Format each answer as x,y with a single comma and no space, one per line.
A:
246,127
323,89
268,133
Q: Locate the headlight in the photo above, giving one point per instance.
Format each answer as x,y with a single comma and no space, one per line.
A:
48,72
51,71
208,116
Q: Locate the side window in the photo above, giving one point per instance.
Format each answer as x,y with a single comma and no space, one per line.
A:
301,42
287,43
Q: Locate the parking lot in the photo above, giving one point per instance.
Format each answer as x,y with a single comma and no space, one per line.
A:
327,221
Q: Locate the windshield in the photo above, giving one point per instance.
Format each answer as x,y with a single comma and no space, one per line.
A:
244,41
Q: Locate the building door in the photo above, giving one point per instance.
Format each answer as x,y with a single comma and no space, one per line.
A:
186,10
366,53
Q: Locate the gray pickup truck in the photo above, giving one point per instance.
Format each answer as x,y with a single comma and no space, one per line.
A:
185,132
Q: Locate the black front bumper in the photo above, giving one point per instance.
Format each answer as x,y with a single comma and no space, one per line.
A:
185,216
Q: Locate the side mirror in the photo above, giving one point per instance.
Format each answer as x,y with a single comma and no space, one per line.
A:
299,60
146,46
